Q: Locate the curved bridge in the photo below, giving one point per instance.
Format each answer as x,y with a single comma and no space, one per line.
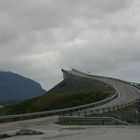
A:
126,92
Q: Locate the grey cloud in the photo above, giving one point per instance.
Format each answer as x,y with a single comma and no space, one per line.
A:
38,38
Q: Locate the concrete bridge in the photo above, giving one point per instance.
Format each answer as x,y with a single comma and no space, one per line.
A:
127,93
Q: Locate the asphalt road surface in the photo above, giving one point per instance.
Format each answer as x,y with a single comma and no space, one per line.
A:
56,132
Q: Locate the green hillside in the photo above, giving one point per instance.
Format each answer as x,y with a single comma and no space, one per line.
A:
70,92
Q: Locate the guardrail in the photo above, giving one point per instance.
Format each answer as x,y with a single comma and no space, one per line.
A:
56,112
91,120
104,110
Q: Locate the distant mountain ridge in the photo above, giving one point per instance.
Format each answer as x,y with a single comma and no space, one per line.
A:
72,91
16,87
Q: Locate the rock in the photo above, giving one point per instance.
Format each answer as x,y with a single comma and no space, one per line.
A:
28,132
3,136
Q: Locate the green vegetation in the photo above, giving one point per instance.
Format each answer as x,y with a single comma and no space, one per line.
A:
127,114
71,92
54,101
138,86
113,113
5,103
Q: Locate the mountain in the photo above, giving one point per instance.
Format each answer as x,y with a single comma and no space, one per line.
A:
70,92
15,87
78,85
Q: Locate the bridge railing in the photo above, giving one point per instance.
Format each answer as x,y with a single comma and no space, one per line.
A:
104,109
98,76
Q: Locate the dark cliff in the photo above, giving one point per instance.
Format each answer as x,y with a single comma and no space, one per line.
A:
15,87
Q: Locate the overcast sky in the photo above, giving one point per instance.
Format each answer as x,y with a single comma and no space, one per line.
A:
39,37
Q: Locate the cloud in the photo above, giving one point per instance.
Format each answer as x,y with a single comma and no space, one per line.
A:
39,37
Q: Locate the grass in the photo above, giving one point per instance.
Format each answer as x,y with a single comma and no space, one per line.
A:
54,101
116,112
127,114
5,103
138,85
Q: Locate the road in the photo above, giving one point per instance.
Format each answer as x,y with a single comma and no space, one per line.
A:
56,132
12,127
